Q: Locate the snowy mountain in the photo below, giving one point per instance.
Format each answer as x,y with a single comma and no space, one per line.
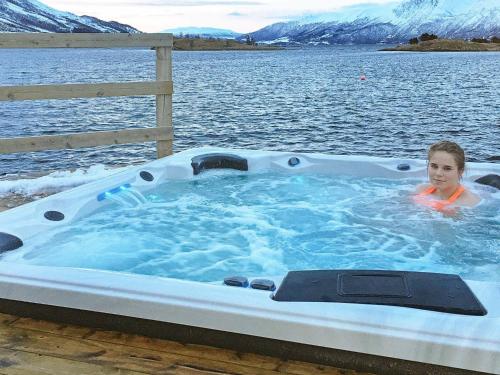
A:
204,32
33,16
389,23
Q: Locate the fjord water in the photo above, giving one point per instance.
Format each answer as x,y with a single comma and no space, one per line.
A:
227,223
299,99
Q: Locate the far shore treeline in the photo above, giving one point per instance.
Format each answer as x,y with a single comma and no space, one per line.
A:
432,43
198,43
426,42
426,36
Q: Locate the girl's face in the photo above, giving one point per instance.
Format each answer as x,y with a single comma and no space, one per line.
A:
443,171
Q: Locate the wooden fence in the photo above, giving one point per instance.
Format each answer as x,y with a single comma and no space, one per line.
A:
162,88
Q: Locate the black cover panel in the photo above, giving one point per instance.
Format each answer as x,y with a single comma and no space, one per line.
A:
490,179
215,161
421,290
54,215
263,284
146,176
9,242
239,281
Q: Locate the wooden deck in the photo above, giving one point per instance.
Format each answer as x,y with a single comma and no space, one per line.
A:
29,346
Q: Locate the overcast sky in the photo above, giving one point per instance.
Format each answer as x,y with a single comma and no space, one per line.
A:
237,15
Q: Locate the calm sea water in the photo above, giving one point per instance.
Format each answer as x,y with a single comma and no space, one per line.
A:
225,223
300,100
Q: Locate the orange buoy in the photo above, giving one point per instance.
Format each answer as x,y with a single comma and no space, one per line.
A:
363,77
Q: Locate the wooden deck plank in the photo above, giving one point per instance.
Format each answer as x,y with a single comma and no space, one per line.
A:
80,140
110,354
22,363
85,90
139,353
7,319
51,327
148,343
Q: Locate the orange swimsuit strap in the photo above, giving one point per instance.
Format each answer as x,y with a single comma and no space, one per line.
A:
438,205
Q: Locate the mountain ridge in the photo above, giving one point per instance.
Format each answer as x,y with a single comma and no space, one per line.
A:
393,22
34,16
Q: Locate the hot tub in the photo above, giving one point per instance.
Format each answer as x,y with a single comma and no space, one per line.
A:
147,250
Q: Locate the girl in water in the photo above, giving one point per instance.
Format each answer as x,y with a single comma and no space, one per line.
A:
445,167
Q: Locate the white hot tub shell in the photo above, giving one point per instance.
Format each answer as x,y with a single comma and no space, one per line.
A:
436,338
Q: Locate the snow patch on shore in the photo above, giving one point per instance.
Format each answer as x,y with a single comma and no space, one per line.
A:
56,181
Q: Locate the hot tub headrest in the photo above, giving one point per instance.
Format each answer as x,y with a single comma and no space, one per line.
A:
9,242
490,179
216,161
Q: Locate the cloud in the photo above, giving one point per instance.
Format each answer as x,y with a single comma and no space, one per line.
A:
197,3
236,14
175,3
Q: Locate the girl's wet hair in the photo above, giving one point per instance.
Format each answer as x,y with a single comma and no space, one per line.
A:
452,148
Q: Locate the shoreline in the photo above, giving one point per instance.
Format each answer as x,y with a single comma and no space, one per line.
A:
446,45
49,182
202,44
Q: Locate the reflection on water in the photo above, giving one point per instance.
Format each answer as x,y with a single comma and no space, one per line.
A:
301,100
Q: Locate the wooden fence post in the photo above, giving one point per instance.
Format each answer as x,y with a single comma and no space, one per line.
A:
164,102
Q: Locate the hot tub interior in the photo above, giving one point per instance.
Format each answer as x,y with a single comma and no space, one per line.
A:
226,222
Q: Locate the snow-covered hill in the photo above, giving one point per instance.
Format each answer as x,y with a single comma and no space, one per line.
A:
390,23
34,16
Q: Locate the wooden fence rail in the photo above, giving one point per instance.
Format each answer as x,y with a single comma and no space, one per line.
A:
162,88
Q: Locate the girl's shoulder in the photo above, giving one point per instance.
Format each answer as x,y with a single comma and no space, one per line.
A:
469,199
